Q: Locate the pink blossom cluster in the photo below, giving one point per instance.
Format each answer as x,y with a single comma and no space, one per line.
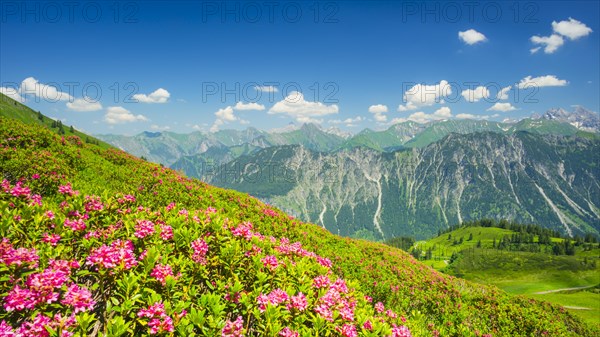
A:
233,328
67,190
126,198
75,224
79,298
333,300
160,273
144,228
20,256
159,320
166,232
52,239
244,230
348,330
270,261
287,332
400,331
38,326
275,298
269,212
119,253
20,191
200,248
93,203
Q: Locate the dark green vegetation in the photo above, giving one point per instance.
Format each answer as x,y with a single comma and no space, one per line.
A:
428,300
522,260
526,177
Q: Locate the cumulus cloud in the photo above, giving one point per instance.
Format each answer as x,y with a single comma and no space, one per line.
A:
12,93
471,37
249,106
295,106
551,43
378,112
31,86
84,105
226,114
266,88
541,81
572,29
502,107
119,115
474,95
425,95
422,117
160,95
503,93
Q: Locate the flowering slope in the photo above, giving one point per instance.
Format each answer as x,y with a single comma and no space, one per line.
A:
125,247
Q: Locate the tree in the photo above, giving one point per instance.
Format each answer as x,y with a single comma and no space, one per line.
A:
479,244
40,116
71,129
470,236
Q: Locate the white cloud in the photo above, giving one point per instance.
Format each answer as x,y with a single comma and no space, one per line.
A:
572,29
31,86
158,127
421,117
466,116
551,43
541,81
118,115
348,121
266,88
226,114
474,95
425,95
160,95
216,125
12,93
378,112
535,50
503,93
378,109
249,106
502,107
295,106
84,105
471,37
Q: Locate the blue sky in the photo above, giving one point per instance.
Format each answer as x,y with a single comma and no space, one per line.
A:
191,65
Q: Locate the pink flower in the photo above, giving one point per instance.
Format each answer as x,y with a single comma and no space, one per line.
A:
325,262
35,176
321,281
6,330
76,225
35,328
379,307
67,190
200,248
166,232
79,298
391,314
368,325
349,330
159,320
144,228
233,329
324,311
287,332
52,239
340,286
35,199
93,203
270,262
400,331
119,253
244,229
19,299
20,191
49,215
161,271
299,302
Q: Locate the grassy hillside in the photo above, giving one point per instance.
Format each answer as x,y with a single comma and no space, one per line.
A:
469,253
119,227
10,108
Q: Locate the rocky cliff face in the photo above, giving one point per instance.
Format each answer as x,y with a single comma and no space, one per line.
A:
543,179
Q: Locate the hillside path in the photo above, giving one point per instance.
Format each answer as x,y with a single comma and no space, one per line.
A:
559,290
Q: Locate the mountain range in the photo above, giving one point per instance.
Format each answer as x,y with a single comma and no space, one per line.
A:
410,179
